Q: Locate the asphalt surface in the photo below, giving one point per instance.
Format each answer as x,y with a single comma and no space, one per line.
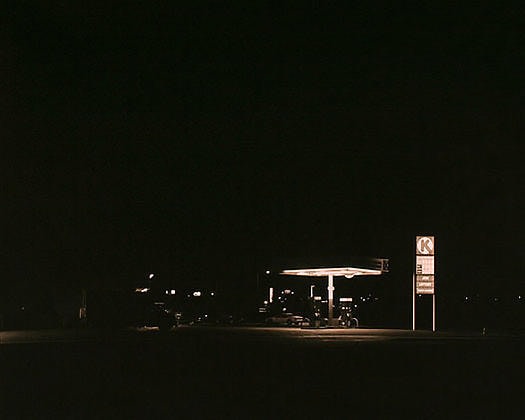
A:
245,372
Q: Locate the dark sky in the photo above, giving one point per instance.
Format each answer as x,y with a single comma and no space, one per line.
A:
201,140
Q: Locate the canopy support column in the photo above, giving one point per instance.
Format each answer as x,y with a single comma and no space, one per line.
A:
330,299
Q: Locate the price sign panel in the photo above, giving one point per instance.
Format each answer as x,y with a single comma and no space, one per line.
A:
424,264
424,284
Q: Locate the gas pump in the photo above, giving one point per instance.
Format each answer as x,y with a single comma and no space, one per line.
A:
316,312
346,318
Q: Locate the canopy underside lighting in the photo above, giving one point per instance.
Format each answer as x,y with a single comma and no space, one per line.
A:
336,271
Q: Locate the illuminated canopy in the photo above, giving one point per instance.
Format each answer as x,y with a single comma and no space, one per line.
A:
347,272
374,267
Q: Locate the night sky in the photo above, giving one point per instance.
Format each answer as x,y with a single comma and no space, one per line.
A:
202,140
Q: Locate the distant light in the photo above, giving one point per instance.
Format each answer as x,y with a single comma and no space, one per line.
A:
212,294
466,297
167,292
151,276
267,271
197,294
284,309
265,302
142,289
519,297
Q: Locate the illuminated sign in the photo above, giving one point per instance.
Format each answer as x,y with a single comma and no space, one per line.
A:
425,245
424,275
424,264
425,270
424,284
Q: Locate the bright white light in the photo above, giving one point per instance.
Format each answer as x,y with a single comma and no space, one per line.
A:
267,271
212,294
347,272
265,302
151,276
196,294
142,290
172,291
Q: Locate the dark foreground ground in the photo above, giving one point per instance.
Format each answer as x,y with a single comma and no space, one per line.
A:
199,372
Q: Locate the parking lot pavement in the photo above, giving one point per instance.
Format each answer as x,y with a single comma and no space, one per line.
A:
259,372
272,333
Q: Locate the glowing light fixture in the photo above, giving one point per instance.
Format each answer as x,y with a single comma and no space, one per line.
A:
347,272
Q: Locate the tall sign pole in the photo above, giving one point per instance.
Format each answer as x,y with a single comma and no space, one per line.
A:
425,273
434,312
413,302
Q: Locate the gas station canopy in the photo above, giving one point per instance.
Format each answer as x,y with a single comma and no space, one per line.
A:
347,272
380,266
